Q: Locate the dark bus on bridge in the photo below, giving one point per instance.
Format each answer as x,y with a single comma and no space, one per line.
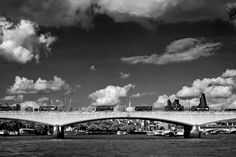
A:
48,108
10,108
104,108
143,108
230,109
5,108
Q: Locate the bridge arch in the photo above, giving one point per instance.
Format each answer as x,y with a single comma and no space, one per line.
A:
141,118
27,120
219,120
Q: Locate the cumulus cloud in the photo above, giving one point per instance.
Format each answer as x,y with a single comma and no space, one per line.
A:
232,105
188,92
219,91
92,68
82,12
43,100
110,95
181,50
139,95
26,86
78,86
161,102
229,73
32,104
13,98
231,8
216,87
20,43
124,75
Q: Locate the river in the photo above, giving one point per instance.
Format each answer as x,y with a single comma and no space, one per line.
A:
118,146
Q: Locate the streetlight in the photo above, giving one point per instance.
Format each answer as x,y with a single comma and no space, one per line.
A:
189,105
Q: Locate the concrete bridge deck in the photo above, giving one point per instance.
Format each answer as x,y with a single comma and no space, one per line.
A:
65,118
60,119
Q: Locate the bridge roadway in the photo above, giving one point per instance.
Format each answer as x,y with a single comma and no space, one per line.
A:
190,120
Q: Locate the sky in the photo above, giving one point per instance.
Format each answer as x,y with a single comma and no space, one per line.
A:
109,52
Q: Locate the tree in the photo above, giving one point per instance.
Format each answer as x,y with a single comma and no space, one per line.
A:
130,128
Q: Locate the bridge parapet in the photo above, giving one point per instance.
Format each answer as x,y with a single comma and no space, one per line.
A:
65,118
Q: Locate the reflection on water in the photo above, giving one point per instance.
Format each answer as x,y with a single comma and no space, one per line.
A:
112,145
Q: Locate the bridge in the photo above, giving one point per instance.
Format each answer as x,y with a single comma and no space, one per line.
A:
190,120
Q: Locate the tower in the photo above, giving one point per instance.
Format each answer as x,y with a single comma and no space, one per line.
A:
203,102
169,103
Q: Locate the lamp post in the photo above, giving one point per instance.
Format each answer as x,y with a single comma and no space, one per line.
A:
189,105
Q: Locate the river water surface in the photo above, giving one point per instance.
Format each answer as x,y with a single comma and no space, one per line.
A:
118,146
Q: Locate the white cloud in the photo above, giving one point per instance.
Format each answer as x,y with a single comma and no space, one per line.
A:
24,85
20,43
212,87
124,75
219,91
182,50
43,100
188,92
161,102
231,12
219,81
232,105
13,98
78,86
110,95
229,73
119,108
26,104
139,95
92,68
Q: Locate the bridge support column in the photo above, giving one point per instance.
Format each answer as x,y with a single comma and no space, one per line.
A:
58,132
192,132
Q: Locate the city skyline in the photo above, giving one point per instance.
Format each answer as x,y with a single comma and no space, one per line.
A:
100,52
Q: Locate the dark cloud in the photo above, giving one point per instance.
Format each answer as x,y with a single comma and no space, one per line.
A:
82,12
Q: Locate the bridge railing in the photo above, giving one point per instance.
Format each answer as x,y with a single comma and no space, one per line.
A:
155,111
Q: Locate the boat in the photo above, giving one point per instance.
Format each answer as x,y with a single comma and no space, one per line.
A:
161,133
119,133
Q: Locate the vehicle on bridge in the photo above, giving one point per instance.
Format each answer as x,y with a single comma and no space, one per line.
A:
104,108
167,133
48,108
143,108
230,109
202,105
175,106
7,107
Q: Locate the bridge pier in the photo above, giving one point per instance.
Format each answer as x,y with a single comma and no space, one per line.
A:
58,132
192,132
